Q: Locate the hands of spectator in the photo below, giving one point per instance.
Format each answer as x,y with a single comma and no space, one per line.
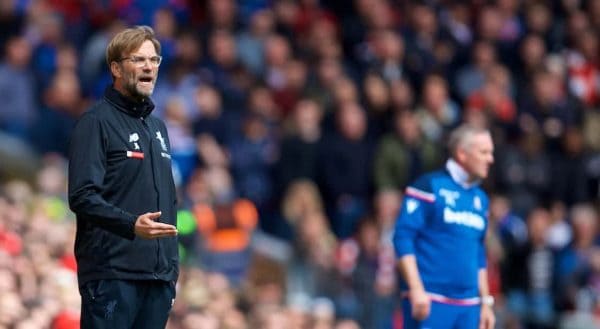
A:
487,318
420,303
147,227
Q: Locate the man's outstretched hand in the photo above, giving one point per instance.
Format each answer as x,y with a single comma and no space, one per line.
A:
147,227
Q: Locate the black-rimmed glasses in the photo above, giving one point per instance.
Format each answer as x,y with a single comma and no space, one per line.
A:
140,61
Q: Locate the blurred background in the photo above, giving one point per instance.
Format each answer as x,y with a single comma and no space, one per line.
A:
295,126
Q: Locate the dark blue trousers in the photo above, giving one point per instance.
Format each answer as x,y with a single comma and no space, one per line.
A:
126,304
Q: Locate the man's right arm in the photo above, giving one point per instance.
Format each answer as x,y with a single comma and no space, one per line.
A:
87,167
419,299
412,219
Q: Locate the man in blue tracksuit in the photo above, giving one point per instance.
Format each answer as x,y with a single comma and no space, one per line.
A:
439,239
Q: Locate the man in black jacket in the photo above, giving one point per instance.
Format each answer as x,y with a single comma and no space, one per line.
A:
122,191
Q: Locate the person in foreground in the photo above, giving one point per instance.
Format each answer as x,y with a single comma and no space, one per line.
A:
439,239
122,191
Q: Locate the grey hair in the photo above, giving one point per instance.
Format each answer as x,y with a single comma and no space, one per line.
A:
462,136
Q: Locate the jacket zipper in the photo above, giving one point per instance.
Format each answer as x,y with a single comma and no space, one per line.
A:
151,139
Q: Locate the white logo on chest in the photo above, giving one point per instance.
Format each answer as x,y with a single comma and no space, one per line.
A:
411,205
465,218
477,203
161,139
134,138
449,196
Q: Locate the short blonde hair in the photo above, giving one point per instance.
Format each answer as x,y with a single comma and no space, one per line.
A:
129,40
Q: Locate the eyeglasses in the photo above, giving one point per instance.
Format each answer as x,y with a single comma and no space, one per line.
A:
140,61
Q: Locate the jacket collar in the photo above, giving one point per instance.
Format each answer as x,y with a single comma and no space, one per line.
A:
124,104
459,174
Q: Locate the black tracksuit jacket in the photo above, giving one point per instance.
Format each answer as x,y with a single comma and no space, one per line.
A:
120,168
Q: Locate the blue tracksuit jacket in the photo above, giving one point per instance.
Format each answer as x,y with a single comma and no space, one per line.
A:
443,222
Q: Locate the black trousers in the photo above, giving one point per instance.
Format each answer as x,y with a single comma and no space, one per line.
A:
126,304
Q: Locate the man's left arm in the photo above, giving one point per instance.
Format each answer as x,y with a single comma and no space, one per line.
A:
487,318
168,143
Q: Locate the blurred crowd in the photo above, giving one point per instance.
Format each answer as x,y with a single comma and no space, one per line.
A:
295,126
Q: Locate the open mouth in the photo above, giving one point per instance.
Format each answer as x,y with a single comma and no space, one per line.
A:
146,80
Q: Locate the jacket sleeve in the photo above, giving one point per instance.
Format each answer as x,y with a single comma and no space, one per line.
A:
482,254
87,167
418,199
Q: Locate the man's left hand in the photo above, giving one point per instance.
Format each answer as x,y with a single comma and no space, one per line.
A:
487,319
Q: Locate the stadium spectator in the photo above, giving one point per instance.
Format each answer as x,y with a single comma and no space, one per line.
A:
529,292
347,152
300,145
17,88
437,112
404,153
62,104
